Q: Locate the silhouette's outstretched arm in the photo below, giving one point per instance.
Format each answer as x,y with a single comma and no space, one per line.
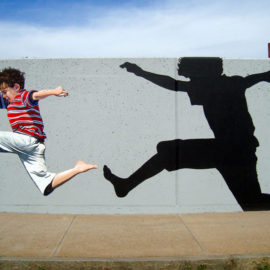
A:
256,78
160,80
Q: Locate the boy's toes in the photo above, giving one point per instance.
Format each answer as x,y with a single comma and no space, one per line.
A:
83,167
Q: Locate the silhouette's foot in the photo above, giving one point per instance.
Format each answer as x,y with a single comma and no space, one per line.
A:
81,166
119,184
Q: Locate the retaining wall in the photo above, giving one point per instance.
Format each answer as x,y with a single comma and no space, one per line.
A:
116,118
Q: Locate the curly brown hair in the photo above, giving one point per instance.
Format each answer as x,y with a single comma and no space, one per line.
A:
10,76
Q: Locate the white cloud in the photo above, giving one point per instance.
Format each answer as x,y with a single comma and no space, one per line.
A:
237,29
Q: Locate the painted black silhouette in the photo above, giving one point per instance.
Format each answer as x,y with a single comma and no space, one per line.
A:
231,152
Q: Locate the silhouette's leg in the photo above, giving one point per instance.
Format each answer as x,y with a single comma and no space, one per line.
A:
265,199
122,186
243,183
171,155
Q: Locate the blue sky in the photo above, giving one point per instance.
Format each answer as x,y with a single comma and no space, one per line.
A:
54,13
134,28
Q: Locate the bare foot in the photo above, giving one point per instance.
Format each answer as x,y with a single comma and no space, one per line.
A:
81,166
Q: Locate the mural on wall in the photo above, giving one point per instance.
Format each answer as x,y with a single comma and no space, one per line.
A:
233,150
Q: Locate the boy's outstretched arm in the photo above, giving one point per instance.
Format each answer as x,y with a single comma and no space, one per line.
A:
58,91
160,80
256,78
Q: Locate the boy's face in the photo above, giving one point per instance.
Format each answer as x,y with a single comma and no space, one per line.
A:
10,93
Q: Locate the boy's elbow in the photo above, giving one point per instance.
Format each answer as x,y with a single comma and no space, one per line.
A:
35,96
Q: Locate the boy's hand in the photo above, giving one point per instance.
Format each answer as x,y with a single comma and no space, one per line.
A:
131,68
60,92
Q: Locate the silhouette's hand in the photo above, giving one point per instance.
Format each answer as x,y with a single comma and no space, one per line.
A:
131,68
268,76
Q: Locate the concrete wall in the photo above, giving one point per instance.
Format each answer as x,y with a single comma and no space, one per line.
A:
116,118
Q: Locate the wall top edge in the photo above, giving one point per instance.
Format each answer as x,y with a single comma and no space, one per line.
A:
102,58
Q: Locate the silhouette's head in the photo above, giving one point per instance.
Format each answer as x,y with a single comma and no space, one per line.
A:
200,66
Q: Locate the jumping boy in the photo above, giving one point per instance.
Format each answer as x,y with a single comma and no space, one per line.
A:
27,138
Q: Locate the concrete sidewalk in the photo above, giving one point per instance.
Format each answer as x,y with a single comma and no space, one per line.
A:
180,241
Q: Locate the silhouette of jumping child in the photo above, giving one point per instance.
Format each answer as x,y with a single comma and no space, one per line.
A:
231,152
27,138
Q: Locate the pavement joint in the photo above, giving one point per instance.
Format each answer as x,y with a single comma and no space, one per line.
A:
58,246
193,236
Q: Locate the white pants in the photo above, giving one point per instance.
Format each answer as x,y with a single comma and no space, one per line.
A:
32,155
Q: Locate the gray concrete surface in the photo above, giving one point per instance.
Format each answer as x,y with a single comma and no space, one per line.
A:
214,241
116,118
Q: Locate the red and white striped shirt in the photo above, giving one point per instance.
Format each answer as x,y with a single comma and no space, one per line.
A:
24,115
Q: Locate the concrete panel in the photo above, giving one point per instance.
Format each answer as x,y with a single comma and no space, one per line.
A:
194,185
234,233
142,234
110,117
19,233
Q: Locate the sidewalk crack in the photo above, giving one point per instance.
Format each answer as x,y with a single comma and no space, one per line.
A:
193,236
59,245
